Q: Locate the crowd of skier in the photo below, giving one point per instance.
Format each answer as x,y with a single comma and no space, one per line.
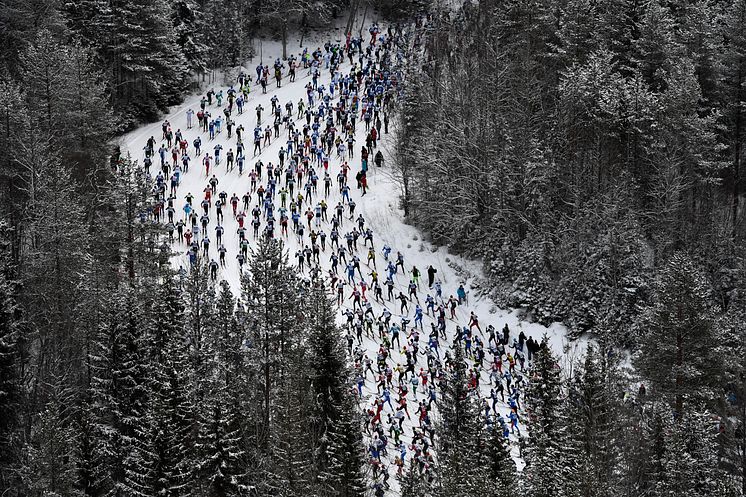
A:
400,321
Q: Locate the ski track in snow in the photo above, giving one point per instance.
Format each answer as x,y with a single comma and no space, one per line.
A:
379,208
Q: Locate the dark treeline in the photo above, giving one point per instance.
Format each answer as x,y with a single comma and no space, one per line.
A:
115,380
148,52
591,153
581,145
75,74
590,433
160,385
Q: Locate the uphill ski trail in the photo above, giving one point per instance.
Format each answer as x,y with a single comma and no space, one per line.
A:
380,209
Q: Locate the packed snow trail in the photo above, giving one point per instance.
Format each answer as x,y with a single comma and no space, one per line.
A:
379,208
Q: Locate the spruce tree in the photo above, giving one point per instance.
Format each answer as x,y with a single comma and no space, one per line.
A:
732,437
22,21
546,468
336,425
53,259
120,399
221,399
732,57
52,458
290,461
189,25
200,302
329,372
270,294
146,67
346,454
592,434
67,101
12,193
460,442
500,469
689,462
11,389
678,343
412,483
170,413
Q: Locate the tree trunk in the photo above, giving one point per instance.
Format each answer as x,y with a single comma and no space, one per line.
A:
284,39
303,24
742,442
351,19
737,155
679,365
362,24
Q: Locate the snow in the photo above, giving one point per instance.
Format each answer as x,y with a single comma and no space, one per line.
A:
379,208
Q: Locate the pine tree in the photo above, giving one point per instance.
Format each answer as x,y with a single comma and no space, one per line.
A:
412,484
460,434
51,456
578,32
500,469
12,193
11,390
228,46
79,17
291,450
336,431
591,413
52,261
731,20
547,468
270,293
732,439
99,277
686,164
22,20
68,104
678,352
200,297
221,400
221,469
139,48
346,455
189,25
120,399
170,413
281,12
689,465
63,97
329,373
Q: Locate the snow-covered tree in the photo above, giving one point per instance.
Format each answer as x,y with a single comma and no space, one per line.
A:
270,295
290,457
120,399
548,470
592,409
221,395
170,414
500,471
336,427
146,67
281,12
412,483
11,387
678,342
189,25
689,463
461,436
51,465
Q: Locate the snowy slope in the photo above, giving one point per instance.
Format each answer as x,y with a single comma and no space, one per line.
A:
379,208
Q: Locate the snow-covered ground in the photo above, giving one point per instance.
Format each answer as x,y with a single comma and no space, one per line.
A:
379,208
